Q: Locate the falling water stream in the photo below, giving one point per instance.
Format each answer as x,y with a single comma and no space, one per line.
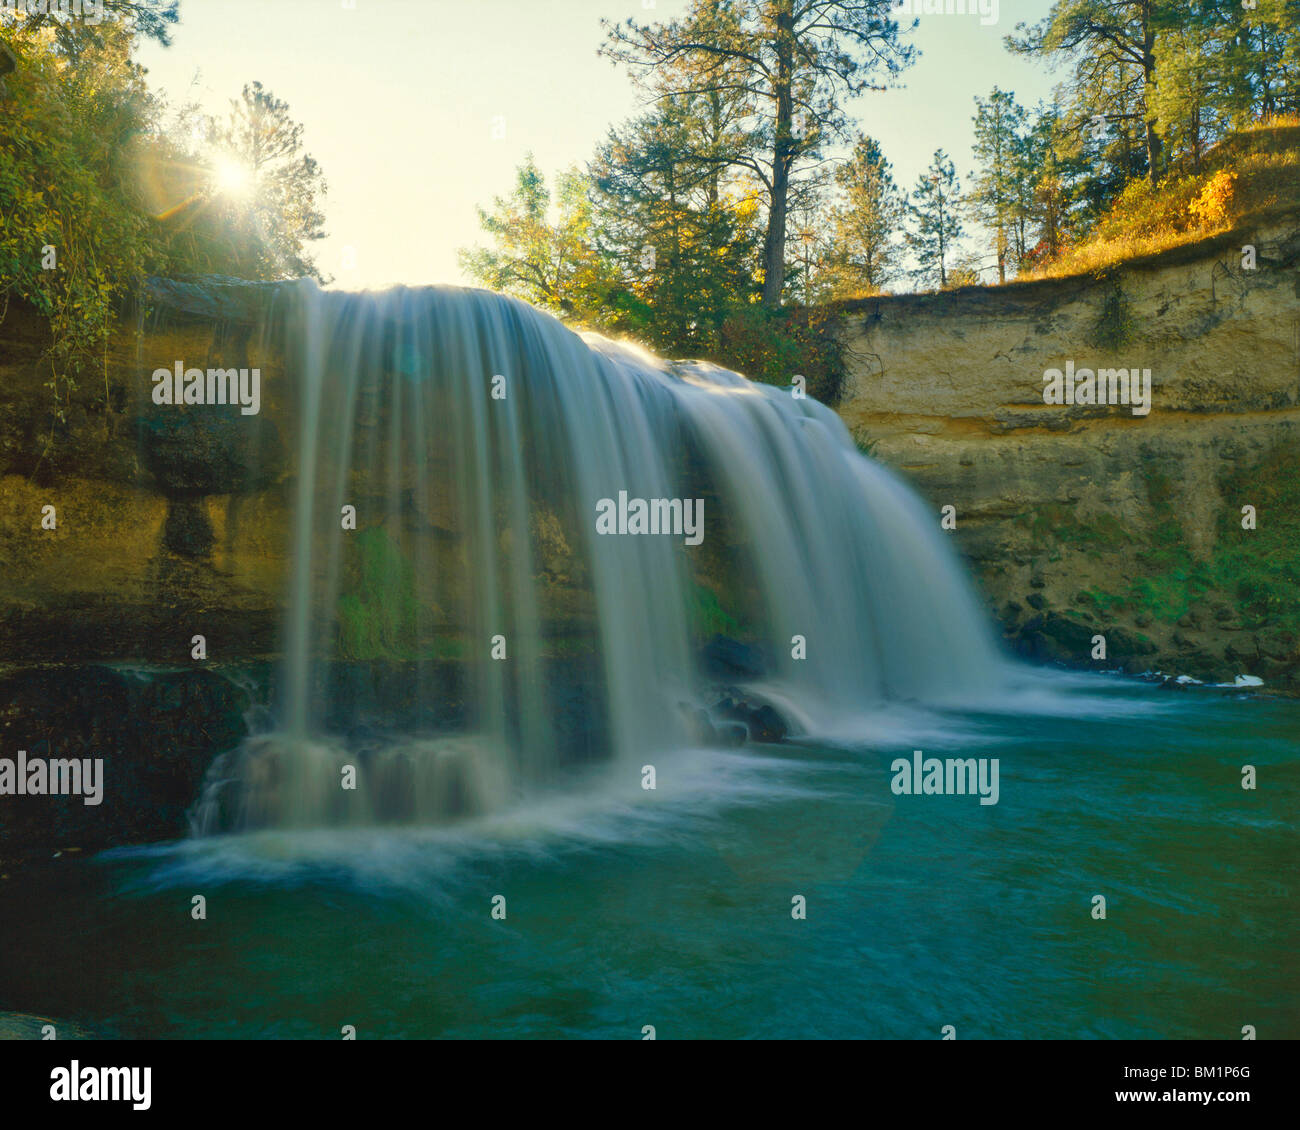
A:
473,435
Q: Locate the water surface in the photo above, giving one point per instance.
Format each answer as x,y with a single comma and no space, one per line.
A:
672,908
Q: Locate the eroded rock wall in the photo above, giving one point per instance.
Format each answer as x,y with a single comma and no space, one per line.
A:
165,523
1085,520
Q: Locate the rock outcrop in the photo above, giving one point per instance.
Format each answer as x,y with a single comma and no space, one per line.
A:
156,732
1087,520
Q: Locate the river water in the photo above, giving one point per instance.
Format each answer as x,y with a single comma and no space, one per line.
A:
672,908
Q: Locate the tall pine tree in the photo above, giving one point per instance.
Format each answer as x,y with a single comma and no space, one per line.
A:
864,252
934,212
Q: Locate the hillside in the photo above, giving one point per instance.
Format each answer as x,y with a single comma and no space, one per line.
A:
1248,177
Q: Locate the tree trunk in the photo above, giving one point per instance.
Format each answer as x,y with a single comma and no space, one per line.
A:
774,241
1148,94
712,190
943,247
1153,152
778,206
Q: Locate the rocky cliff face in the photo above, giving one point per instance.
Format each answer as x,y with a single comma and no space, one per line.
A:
154,732
127,529
1088,519
1173,533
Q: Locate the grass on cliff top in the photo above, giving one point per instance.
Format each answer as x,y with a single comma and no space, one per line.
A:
1247,173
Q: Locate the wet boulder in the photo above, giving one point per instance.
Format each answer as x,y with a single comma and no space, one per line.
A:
760,719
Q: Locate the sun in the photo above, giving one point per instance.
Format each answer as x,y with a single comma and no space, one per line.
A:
234,178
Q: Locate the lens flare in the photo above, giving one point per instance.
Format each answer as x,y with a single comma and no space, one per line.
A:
234,178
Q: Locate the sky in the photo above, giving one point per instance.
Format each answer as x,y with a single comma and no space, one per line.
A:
419,110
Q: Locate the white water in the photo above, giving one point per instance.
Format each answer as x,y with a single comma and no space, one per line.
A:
394,414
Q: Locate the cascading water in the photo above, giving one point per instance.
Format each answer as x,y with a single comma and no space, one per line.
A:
476,440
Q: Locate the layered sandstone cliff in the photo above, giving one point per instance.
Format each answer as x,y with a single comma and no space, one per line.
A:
1084,520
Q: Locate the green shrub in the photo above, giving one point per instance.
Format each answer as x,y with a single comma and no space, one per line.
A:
773,346
73,239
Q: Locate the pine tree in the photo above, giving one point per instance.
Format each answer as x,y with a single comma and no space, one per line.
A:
794,62
143,19
278,213
864,255
678,235
1111,45
1047,193
550,263
934,209
1191,74
998,125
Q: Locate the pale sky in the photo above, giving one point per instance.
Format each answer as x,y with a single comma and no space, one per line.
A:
399,98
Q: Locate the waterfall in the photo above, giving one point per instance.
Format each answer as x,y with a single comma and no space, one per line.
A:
478,441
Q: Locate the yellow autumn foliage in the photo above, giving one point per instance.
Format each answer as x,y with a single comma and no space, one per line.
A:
1211,207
